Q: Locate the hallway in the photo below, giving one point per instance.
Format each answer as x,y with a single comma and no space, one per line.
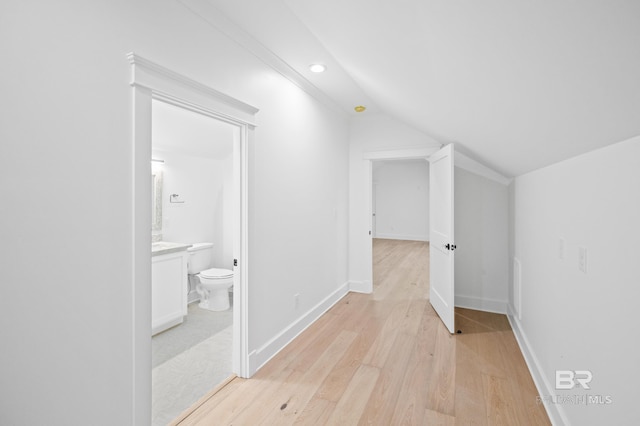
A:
385,358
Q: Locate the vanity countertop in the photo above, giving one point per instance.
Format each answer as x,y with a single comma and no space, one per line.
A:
165,247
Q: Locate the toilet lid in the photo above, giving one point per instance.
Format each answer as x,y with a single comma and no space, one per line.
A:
216,273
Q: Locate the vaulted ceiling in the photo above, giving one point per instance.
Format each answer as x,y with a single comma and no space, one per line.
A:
517,85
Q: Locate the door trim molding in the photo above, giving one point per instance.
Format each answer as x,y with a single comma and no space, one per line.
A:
164,82
366,285
400,154
152,81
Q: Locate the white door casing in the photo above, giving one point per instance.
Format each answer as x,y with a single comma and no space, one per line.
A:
152,81
442,246
365,285
374,195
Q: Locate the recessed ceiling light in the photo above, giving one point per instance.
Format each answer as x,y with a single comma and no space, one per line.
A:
317,68
360,108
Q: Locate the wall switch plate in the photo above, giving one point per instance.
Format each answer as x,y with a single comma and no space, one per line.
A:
582,259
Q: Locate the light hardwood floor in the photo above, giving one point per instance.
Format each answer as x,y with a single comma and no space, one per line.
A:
386,359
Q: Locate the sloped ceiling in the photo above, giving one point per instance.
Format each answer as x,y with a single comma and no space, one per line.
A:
517,85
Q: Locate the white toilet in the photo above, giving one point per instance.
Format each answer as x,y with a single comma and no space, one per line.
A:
212,283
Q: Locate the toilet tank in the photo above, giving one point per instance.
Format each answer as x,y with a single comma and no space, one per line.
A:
200,257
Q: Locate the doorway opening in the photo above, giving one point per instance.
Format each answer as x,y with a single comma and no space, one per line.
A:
194,205
373,162
441,222
400,220
153,83
400,199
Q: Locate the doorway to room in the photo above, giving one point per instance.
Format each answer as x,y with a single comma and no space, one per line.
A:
441,222
400,223
153,83
193,205
400,199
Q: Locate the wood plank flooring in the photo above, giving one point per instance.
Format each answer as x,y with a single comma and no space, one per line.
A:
386,359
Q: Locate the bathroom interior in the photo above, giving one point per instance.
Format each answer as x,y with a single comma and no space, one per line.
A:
192,257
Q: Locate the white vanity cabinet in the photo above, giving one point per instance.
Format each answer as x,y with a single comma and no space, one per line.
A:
168,287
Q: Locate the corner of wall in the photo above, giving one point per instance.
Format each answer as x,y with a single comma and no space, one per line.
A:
481,304
365,287
473,166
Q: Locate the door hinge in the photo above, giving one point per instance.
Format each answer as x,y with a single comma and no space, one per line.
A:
450,246
235,262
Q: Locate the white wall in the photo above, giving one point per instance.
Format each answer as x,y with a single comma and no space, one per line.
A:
66,179
572,320
203,187
226,231
401,199
481,213
370,133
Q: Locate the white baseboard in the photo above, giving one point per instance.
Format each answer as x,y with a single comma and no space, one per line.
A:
402,237
166,323
361,287
481,304
555,412
262,355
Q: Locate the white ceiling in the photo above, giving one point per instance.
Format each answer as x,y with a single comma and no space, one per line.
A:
517,85
185,132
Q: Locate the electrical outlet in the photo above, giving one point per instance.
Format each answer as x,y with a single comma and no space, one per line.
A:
582,259
296,300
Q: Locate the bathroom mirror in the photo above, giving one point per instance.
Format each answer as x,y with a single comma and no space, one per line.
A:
156,204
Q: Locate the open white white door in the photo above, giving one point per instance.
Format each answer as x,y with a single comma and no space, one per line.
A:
441,252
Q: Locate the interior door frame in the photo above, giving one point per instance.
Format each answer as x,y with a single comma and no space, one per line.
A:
374,206
152,81
369,157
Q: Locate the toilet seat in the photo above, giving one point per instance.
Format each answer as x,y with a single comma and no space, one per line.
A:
216,274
